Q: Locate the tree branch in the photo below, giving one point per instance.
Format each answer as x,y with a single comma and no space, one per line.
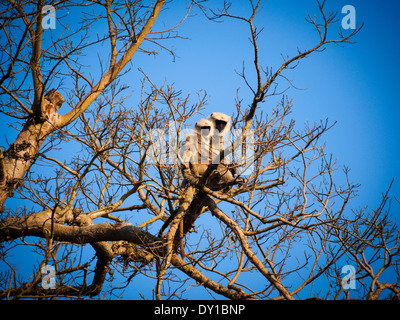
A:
114,70
246,247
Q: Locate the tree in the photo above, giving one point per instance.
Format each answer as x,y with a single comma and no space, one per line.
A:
117,187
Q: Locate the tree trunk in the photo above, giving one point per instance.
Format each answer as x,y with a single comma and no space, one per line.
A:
17,160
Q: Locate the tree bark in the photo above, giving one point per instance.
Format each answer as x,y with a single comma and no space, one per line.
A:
43,225
17,160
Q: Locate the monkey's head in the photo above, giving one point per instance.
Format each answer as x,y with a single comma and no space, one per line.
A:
204,127
221,121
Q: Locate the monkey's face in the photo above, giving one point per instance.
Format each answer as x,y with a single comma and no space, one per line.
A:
220,125
205,131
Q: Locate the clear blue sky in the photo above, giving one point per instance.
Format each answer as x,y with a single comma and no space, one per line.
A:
356,85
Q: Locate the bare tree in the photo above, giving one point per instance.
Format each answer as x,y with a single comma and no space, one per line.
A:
288,224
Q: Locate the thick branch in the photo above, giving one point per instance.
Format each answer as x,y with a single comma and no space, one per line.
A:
37,106
20,155
40,226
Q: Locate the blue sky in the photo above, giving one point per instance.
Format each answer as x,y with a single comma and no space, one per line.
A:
356,85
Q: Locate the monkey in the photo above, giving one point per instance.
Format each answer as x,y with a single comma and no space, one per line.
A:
223,176
196,149
227,173
222,125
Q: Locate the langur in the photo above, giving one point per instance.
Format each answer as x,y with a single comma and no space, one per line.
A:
222,125
198,151
196,148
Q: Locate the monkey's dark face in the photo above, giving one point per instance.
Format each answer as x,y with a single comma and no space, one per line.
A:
220,125
205,131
